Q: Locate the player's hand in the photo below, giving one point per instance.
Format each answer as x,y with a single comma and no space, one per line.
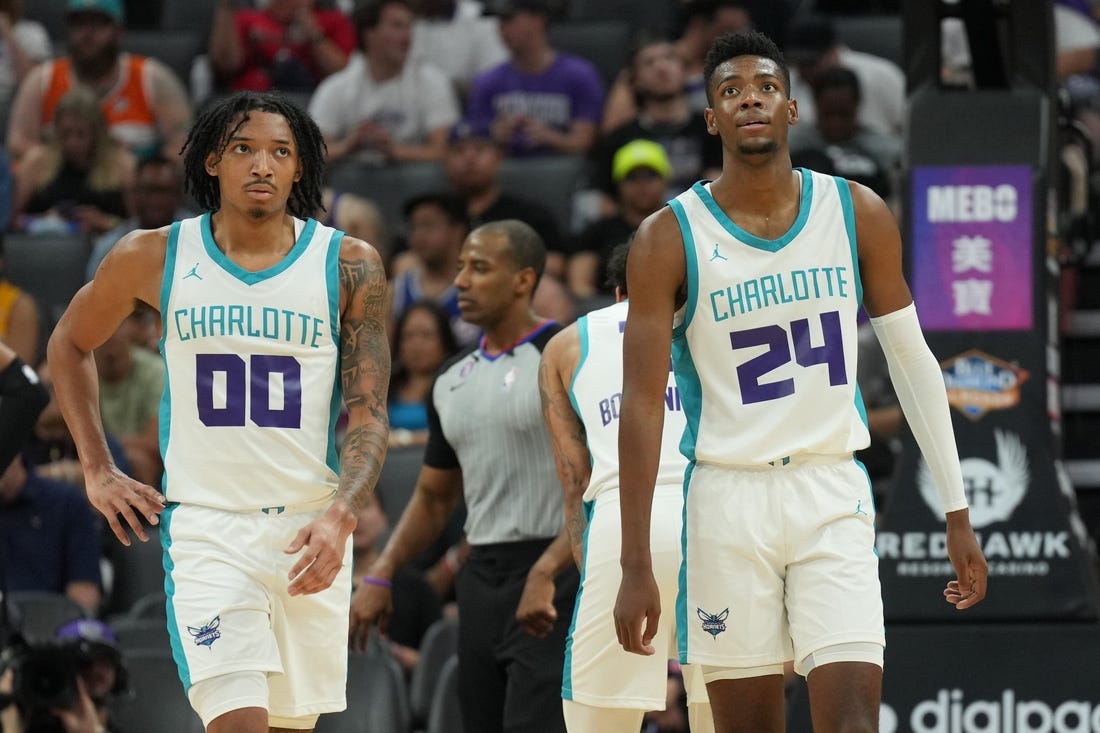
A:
536,613
637,611
966,556
120,498
321,543
370,604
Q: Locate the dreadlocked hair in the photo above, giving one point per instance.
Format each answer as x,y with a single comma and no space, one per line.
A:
215,126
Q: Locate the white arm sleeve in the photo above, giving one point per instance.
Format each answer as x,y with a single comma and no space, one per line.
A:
918,382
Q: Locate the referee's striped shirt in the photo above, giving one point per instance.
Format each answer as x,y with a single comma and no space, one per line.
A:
485,417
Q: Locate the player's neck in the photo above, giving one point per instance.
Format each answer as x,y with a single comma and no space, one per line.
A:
510,330
757,187
238,234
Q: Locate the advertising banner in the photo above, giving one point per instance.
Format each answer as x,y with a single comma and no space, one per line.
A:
997,678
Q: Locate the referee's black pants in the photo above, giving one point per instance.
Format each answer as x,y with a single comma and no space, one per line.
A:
509,682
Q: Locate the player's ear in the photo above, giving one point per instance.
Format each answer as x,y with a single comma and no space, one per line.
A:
708,115
298,172
792,111
211,164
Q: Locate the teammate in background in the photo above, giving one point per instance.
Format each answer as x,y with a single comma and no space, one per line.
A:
487,444
265,316
22,400
605,688
779,534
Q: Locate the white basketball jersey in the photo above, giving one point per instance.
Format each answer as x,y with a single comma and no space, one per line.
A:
765,347
597,391
253,381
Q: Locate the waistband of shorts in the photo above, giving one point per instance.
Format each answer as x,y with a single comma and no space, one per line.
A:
278,510
785,463
520,552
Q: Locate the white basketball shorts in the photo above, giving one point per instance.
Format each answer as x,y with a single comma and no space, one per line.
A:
780,563
229,609
598,671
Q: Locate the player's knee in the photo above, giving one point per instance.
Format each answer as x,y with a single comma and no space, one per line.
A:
216,696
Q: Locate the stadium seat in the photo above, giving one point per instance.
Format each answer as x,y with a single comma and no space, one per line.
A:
139,572
188,15
445,716
551,180
377,698
154,605
389,186
155,700
439,644
176,49
48,266
880,35
43,612
657,17
142,633
605,43
398,479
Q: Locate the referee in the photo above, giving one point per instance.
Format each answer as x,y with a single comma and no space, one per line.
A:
488,444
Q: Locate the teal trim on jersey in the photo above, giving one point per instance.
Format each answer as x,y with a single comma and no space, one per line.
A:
170,591
332,278
691,265
681,595
861,408
691,394
567,668
164,412
768,245
870,493
582,333
245,276
845,192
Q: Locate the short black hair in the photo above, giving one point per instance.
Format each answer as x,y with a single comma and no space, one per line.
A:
746,43
452,207
216,125
368,15
527,247
837,77
616,266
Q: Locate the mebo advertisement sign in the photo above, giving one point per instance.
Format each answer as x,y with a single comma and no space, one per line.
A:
972,247
975,678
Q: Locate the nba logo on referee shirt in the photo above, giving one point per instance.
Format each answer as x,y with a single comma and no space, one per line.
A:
713,624
206,634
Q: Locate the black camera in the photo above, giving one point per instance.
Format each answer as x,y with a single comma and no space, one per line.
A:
44,679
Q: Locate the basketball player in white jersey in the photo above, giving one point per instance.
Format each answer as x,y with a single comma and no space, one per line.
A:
763,270
267,317
580,379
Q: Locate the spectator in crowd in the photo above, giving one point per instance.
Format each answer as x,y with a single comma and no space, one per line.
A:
455,37
641,171
76,179
837,139
99,663
423,341
356,216
416,604
145,105
131,379
656,74
285,44
22,400
472,164
20,322
813,48
155,200
703,21
383,107
541,100
437,224
23,43
50,537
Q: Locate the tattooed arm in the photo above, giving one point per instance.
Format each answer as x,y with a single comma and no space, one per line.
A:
365,376
567,434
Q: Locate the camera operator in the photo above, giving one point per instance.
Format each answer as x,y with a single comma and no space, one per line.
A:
64,686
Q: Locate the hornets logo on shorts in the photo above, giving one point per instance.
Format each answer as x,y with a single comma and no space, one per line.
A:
207,634
713,624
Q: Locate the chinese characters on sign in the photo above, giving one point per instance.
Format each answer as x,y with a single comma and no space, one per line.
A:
971,247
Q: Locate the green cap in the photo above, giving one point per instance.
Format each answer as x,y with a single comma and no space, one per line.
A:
640,154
